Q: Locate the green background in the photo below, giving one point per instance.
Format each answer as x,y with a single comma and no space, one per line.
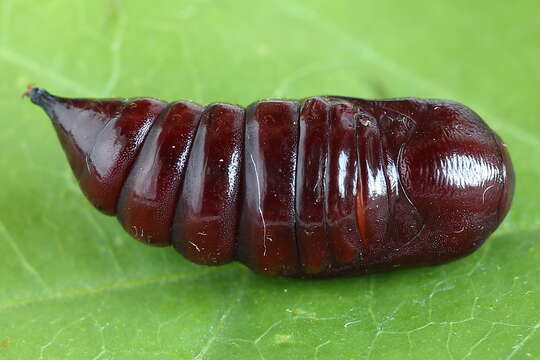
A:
73,285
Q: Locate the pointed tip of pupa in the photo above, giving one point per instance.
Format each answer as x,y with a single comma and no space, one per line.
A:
77,122
39,96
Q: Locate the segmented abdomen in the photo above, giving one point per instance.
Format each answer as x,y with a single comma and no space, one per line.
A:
318,187
223,183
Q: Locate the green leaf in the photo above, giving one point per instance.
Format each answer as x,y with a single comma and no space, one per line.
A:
74,286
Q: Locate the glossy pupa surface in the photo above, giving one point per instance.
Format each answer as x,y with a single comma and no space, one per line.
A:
321,187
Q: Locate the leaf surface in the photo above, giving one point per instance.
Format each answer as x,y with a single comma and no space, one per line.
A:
75,286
